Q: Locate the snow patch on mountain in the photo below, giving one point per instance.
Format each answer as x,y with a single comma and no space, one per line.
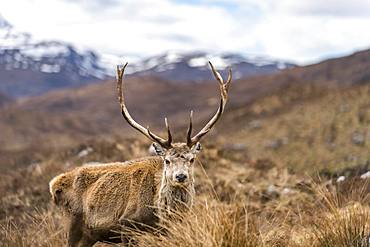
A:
198,62
51,49
47,68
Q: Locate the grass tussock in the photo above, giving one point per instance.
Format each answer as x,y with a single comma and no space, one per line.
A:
343,220
342,227
41,229
207,224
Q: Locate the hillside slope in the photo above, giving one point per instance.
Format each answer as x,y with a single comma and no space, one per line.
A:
4,99
92,111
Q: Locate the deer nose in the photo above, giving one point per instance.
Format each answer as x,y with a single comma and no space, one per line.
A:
181,177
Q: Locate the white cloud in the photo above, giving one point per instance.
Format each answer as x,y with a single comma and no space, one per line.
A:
302,31
339,8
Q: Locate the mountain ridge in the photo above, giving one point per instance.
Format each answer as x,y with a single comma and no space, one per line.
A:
193,66
29,67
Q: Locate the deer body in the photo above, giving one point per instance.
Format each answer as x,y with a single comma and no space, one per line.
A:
99,201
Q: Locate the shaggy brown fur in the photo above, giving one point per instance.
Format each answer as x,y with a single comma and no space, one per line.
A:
99,199
175,197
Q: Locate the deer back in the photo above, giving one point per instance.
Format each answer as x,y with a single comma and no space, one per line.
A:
104,192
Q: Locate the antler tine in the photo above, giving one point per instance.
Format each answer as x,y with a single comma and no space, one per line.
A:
157,139
229,78
169,139
126,115
216,74
119,82
190,129
224,95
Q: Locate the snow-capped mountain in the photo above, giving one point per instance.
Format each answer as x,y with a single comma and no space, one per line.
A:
193,66
31,67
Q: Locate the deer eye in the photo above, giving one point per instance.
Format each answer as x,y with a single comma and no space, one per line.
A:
167,161
192,160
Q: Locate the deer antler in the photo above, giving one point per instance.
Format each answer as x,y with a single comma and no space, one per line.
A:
224,87
126,115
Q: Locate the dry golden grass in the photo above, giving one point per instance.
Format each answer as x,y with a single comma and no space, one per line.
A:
331,220
294,130
232,225
39,229
235,206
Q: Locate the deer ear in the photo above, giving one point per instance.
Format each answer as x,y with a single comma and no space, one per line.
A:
196,148
158,149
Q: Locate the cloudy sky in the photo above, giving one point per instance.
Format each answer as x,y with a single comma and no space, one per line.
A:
303,31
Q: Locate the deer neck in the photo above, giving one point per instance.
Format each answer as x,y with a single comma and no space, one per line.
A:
174,198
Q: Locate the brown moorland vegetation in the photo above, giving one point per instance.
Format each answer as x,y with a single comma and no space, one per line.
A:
288,168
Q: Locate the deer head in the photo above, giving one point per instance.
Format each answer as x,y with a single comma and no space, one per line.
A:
179,157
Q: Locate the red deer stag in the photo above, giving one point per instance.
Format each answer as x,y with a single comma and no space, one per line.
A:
100,200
